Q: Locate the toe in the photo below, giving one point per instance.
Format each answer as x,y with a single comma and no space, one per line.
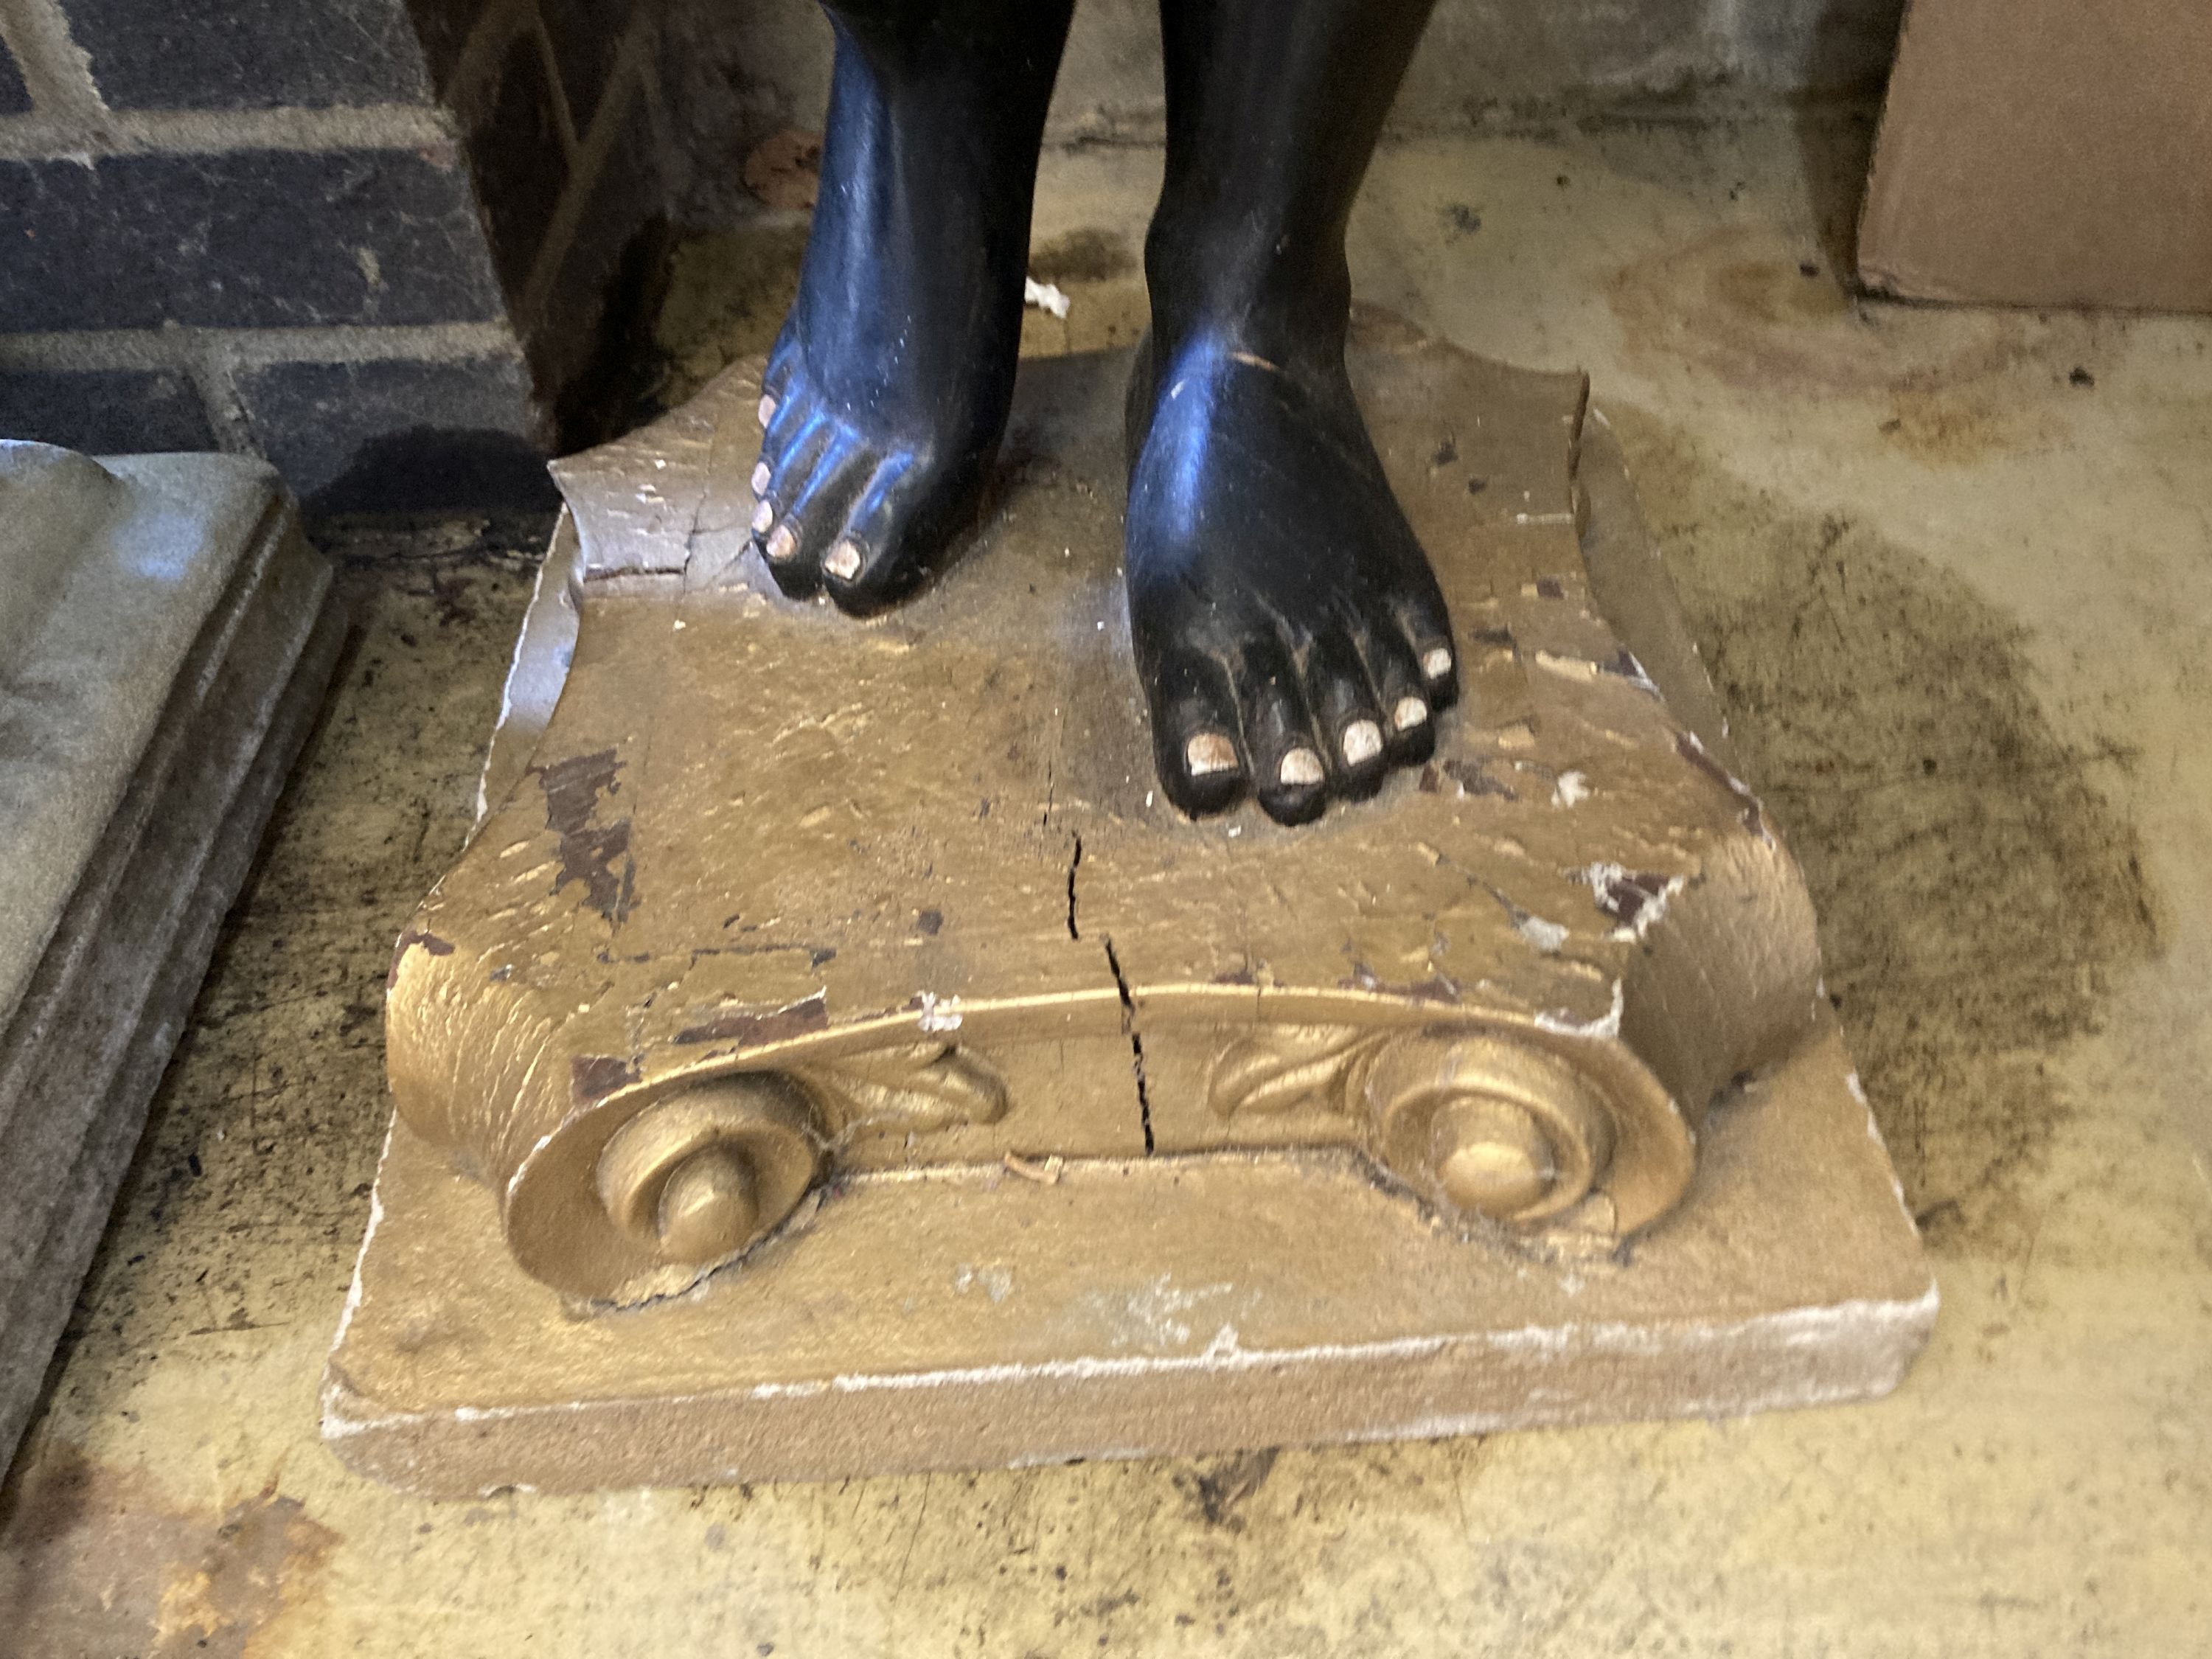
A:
1289,774
1195,732
1346,714
793,519
795,441
901,520
1409,730
1426,627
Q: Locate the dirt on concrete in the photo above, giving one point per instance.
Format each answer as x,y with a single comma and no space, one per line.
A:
1977,894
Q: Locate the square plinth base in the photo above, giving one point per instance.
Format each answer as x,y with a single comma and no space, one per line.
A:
132,804
1122,1310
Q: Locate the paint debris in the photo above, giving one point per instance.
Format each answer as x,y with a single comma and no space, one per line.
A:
1047,297
1044,1172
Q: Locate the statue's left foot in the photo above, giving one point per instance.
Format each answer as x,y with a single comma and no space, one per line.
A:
1291,638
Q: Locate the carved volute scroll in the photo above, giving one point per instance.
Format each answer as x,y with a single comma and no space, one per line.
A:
695,1178
700,1173
1475,1120
1480,1123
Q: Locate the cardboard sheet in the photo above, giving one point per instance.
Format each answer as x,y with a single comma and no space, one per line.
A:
2046,153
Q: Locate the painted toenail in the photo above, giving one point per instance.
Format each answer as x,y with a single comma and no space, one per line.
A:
1209,752
844,561
1410,713
763,516
1362,742
761,476
1300,767
783,543
767,411
1436,662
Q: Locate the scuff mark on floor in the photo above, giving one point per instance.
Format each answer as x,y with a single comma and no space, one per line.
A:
99,1561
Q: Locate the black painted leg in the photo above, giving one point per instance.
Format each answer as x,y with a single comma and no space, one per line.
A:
1289,634
888,390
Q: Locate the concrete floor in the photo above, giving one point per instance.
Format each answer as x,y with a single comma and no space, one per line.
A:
1954,571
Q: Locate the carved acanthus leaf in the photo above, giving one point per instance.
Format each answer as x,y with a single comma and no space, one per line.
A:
916,1088
1282,1067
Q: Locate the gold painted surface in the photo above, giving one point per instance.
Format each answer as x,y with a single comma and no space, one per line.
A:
966,1317
756,837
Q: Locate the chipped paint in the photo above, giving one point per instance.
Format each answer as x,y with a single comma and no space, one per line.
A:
594,1077
1687,745
938,1013
590,850
412,936
746,1026
1636,901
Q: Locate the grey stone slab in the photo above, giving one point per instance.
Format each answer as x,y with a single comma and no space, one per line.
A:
76,1206
103,593
192,571
243,238
104,410
248,54
400,435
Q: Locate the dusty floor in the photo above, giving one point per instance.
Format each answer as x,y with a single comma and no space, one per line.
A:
1955,570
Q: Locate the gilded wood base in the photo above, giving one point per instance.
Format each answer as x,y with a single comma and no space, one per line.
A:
854,980
1128,1308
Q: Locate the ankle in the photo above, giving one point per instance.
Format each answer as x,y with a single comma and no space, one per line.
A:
1258,292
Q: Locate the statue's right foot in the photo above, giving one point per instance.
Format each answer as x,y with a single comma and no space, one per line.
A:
854,496
887,392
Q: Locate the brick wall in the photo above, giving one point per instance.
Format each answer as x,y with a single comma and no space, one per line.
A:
388,244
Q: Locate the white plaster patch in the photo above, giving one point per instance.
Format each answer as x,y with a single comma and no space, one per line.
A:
1605,1029
995,1280
1047,297
1153,1317
1545,936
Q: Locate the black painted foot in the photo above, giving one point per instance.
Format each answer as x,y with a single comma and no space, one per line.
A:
1289,634
856,501
888,391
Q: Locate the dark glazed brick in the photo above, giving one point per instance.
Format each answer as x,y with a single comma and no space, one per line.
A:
399,435
103,412
586,34
245,240
14,97
519,167
249,54
443,26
